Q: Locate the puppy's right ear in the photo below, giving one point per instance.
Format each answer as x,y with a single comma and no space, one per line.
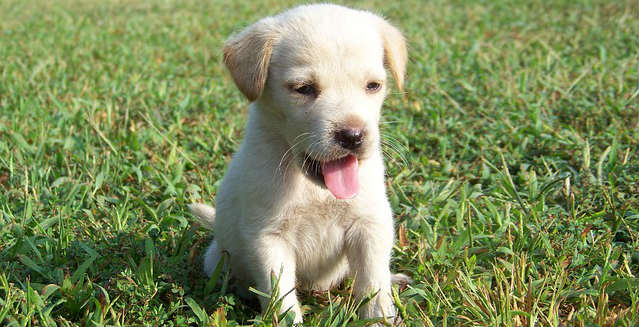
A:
247,57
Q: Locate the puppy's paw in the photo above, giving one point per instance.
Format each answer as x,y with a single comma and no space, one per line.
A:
379,306
401,279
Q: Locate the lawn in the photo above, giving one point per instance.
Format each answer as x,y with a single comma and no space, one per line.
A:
512,155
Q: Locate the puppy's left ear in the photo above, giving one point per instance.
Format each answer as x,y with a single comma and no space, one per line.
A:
395,55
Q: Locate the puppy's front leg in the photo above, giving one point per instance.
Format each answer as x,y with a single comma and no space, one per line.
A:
276,258
369,246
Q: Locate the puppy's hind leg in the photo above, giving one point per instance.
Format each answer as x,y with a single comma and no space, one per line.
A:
211,258
205,213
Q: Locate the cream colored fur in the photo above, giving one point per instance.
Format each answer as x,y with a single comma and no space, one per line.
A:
272,217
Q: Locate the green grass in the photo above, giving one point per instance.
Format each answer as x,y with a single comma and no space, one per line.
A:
515,186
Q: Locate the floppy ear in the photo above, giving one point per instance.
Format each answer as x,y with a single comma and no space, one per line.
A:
247,56
395,54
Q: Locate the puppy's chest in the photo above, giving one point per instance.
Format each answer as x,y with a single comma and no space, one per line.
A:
320,211
317,229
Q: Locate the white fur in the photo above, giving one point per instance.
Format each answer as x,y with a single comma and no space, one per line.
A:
270,216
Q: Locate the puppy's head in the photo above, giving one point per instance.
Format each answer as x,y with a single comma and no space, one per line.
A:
319,71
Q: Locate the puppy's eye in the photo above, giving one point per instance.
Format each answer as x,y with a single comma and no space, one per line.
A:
373,87
306,89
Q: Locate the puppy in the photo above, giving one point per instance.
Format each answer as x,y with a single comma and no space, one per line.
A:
304,196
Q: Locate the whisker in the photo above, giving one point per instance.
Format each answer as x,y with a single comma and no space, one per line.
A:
289,152
392,155
389,157
398,149
391,140
306,135
394,146
311,154
398,92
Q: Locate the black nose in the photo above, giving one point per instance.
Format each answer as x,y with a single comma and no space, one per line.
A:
349,138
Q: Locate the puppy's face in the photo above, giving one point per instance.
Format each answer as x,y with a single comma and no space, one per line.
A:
324,82
328,92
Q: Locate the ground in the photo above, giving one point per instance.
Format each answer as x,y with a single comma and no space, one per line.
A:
512,162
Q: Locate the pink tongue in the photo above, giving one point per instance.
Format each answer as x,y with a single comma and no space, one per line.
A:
341,177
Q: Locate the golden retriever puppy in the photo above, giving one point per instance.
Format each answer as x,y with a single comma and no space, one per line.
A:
304,195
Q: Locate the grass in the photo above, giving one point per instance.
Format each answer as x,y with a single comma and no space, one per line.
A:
512,167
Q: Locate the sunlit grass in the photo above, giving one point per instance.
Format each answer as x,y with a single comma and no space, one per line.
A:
512,163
